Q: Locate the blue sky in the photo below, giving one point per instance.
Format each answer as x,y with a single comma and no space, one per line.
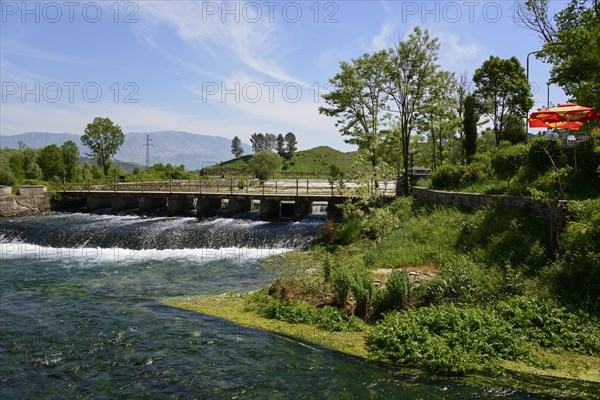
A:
224,68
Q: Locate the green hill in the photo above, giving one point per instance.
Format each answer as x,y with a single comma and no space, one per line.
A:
313,162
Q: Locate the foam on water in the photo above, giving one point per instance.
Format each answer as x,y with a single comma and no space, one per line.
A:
91,255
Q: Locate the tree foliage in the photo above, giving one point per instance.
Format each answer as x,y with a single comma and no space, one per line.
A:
575,51
571,40
280,146
263,141
236,147
104,139
30,166
508,159
70,156
438,116
264,164
358,100
502,90
50,160
290,144
410,73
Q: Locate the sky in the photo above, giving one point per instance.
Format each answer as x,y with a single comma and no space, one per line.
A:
225,68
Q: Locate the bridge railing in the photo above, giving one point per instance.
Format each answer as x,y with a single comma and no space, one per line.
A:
233,185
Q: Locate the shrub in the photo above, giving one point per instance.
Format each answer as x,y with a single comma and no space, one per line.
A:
350,231
461,281
508,159
446,340
550,325
506,237
341,282
575,276
476,172
362,289
397,290
326,318
538,156
7,178
446,177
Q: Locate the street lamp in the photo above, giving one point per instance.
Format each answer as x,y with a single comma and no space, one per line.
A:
527,74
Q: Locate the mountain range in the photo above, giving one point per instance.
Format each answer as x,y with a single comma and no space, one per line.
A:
193,150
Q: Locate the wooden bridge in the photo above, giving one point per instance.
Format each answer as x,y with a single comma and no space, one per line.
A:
290,198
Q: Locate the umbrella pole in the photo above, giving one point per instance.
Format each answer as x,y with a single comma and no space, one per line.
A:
575,149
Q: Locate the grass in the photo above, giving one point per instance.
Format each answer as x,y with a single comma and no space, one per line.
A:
563,365
313,162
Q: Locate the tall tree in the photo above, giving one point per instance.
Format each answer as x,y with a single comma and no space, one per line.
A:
358,100
290,144
575,51
257,140
534,15
410,72
280,146
30,166
270,141
104,139
470,128
236,147
50,160
438,114
70,155
501,90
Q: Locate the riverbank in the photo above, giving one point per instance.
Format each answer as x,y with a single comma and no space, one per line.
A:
574,375
447,292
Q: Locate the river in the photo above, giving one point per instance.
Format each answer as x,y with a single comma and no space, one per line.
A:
80,316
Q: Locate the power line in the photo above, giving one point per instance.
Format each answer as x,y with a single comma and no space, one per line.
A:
148,144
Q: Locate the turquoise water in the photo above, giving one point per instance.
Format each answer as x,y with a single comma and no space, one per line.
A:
80,318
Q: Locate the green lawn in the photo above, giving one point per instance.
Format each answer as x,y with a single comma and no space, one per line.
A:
314,162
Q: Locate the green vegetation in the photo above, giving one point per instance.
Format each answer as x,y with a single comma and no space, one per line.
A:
316,162
458,293
104,139
459,340
264,164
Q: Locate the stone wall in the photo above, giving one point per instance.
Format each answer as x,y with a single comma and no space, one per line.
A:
469,201
11,205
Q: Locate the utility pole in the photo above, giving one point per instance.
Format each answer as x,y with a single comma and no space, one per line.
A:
148,145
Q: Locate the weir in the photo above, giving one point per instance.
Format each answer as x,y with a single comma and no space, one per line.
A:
206,204
271,207
147,203
97,202
180,205
121,203
238,205
270,210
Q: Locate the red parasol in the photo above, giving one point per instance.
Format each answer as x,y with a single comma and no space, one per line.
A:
567,116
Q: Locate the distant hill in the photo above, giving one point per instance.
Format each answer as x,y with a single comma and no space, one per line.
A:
193,150
314,162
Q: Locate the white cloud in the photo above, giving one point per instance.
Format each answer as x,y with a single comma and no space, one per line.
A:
384,39
14,47
456,54
233,44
